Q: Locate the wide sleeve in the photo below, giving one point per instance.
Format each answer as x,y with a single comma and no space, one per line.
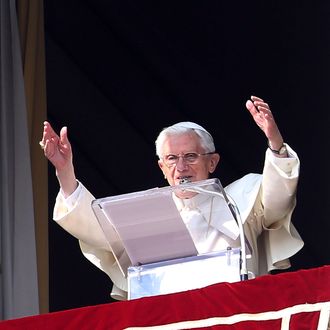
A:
279,186
280,239
80,221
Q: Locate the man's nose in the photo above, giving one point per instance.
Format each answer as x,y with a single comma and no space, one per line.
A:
181,165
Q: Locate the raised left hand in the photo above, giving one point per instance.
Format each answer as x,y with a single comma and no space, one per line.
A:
263,117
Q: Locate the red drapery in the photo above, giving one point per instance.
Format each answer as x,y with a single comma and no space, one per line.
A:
268,302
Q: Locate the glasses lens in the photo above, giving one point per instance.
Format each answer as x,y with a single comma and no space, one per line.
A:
191,157
171,160
188,158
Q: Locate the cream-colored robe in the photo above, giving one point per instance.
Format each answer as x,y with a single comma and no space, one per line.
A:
265,202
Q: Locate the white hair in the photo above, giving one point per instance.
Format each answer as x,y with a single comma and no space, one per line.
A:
181,128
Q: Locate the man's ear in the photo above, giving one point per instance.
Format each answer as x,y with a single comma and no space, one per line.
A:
161,166
214,160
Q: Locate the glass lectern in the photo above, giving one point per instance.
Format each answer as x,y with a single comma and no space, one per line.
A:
153,246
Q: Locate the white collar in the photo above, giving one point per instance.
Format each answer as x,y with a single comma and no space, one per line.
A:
221,217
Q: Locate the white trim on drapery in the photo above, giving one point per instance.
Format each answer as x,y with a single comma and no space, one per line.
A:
18,272
284,315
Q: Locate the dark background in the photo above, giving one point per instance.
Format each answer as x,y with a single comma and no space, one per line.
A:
120,71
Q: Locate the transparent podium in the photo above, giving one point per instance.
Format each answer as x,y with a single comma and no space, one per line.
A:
183,274
153,246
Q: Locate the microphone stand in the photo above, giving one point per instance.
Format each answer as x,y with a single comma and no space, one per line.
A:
235,213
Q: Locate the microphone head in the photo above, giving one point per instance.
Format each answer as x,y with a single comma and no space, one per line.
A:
184,180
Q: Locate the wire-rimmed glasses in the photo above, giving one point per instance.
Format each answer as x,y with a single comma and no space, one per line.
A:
189,158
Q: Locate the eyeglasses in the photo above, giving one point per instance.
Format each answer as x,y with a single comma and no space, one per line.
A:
189,158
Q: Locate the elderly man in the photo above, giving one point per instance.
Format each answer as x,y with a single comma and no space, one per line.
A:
186,152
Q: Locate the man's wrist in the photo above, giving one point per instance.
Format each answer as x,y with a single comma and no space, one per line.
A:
67,180
280,151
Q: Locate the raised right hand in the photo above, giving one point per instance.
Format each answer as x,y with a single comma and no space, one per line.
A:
56,148
58,151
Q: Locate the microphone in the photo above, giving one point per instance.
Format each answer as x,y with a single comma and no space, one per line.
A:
236,215
184,180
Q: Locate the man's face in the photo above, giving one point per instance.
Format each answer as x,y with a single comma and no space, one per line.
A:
179,145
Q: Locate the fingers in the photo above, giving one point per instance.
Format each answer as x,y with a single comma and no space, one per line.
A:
258,105
260,112
64,135
50,139
48,130
258,102
263,117
64,143
48,133
251,107
256,98
49,149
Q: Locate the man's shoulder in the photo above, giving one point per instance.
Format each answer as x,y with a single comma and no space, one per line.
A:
244,192
247,182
